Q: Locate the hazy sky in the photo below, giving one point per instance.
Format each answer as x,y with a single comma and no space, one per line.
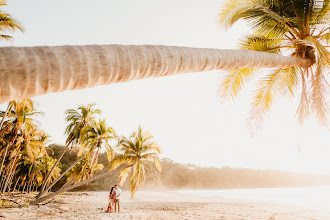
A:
183,112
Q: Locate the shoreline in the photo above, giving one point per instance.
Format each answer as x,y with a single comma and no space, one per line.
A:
161,205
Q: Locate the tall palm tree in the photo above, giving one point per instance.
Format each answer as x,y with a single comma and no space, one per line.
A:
75,67
25,145
95,137
7,23
137,150
21,118
298,28
78,120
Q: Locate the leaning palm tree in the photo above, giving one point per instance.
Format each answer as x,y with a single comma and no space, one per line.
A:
137,150
78,120
298,28
149,153
82,171
7,23
94,138
54,69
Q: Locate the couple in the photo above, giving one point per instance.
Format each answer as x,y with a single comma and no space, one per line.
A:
114,199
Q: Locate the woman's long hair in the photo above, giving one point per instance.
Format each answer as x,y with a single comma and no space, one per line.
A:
111,190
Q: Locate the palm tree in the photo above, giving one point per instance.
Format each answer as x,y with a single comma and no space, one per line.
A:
7,23
138,150
26,147
132,158
78,120
298,28
94,138
75,67
20,118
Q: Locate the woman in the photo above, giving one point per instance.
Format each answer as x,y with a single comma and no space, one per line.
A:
112,194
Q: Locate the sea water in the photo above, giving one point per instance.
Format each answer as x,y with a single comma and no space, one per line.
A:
316,197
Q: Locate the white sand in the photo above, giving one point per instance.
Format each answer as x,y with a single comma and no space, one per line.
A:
161,205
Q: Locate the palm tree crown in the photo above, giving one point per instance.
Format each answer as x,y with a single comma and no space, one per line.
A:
7,23
136,151
79,119
96,137
298,28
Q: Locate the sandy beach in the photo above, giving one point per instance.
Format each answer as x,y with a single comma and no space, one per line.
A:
161,205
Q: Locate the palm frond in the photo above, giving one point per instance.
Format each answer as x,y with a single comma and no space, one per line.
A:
303,108
123,175
267,89
319,96
290,80
233,81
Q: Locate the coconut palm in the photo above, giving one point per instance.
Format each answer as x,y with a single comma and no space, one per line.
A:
21,119
298,28
138,150
7,23
27,150
129,158
75,67
78,120
95,137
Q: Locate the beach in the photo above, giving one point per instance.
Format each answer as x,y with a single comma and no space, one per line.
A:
163,205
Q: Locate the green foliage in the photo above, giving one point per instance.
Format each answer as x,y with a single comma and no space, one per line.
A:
138,151
7,23
23,149
297,28
176,176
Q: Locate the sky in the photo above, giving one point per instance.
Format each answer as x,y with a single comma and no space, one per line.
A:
183,112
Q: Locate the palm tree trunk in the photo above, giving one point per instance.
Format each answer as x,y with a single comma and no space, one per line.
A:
30,71
9,145
9,174
23,187
58,178
3,178
31,182
16,183
11,179
69,182
46,180
5,115
92,179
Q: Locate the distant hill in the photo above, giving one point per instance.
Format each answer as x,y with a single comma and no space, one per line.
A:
188,176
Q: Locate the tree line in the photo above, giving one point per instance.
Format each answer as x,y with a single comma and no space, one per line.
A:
177,176
26,164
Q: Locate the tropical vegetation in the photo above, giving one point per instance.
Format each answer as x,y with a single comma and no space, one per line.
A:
297,28
140,151
26,164
23,149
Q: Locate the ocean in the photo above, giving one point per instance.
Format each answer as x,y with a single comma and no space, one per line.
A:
316,197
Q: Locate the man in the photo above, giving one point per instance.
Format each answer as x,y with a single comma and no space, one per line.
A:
117,197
